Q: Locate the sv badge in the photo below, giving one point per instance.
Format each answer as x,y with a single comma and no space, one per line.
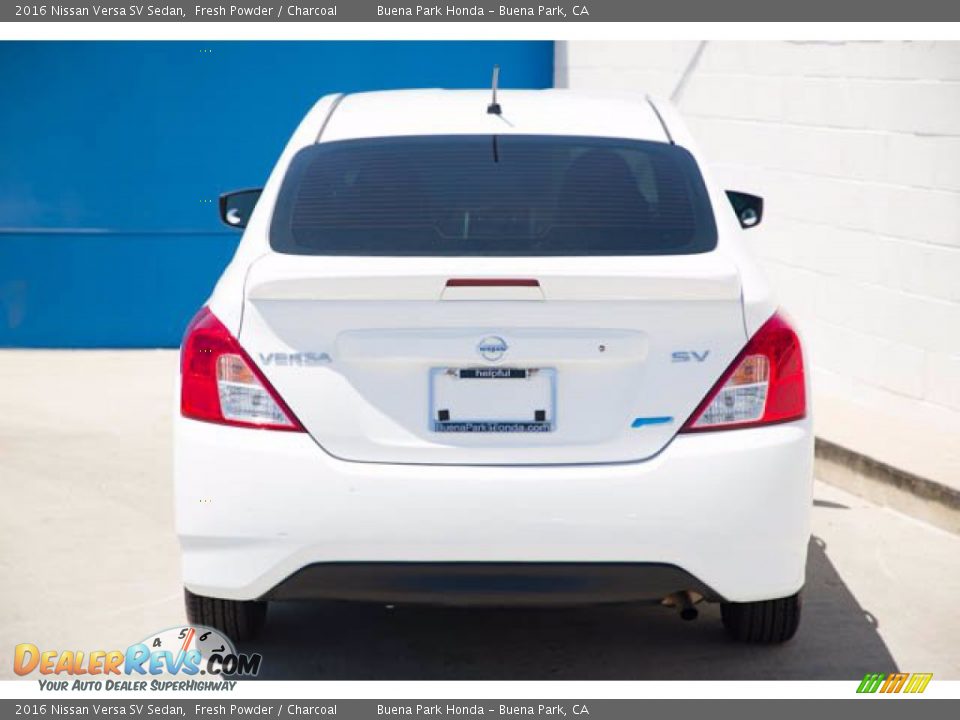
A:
689,356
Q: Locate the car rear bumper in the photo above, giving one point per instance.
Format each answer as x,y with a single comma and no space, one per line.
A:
264,514
473,583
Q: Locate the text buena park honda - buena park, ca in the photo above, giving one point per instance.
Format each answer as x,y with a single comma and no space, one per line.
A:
504,710
544,11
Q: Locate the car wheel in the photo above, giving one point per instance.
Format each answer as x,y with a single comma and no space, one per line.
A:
763,622
239,620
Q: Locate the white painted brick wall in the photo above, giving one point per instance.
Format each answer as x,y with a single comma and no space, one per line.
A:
856,147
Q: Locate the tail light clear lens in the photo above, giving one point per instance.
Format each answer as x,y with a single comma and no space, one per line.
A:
220,384
763,385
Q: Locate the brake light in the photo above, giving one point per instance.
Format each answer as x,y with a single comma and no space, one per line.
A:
220,384
763,385
493,282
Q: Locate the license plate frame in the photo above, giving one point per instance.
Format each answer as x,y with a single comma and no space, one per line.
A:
541,394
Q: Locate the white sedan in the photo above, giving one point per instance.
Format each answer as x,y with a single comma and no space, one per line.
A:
493,353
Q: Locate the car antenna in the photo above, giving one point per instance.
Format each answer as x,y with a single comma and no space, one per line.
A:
494,107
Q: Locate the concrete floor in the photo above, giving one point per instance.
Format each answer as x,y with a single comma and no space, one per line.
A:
89,561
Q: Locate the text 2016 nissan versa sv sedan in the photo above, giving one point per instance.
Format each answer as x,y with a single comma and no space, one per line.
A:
464,356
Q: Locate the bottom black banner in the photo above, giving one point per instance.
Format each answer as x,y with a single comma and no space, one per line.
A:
875,708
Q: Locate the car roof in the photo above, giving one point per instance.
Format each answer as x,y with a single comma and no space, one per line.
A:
529,112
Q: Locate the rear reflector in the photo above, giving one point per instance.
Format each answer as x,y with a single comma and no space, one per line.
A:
220,384
763,385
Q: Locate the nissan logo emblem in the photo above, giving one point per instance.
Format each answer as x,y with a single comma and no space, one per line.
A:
492,348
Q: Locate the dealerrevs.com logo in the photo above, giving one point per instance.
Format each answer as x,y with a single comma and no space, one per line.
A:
193,657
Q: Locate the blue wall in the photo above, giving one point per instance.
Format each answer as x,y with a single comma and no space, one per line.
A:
112,156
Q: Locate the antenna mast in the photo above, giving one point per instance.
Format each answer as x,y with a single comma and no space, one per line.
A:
494,107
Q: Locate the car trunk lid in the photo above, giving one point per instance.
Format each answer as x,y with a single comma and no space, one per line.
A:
493,360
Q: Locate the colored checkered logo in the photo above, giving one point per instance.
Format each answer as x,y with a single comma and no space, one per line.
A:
894,682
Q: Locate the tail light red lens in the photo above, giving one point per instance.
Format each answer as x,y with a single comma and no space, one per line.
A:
220,384
763,385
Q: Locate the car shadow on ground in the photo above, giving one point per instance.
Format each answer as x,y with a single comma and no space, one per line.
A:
837,640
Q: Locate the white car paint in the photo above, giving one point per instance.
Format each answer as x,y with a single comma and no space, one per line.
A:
370,482
370,404
255,506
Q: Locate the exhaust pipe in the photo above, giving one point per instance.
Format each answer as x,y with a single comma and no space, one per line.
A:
684,601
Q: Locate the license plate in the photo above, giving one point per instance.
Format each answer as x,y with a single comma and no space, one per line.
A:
492,400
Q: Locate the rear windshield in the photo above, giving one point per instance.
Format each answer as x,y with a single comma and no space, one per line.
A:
499,195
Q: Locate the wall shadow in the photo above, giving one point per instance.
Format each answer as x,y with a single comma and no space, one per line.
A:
837,640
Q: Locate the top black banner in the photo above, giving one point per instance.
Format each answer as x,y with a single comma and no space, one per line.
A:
470,11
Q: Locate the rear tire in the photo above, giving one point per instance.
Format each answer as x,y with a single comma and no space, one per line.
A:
764,622
240,620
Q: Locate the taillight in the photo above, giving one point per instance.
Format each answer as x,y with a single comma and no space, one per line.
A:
219,383
763,385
